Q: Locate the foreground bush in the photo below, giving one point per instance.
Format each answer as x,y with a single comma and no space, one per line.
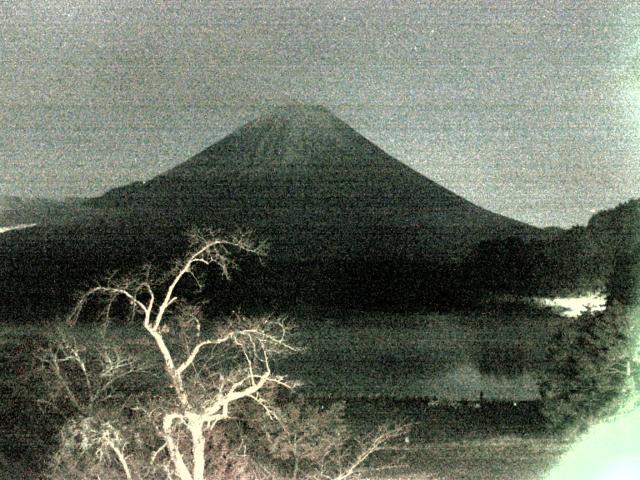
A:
591,369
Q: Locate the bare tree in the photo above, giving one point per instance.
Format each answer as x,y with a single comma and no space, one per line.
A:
206,374
317,437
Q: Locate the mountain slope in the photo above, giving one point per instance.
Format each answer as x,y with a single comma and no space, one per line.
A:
308,182
340,215
16,210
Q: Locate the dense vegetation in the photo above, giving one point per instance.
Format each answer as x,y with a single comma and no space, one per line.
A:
593,363
590,370
576,260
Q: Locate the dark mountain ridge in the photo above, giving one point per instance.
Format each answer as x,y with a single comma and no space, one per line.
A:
344,220
17,210
299,175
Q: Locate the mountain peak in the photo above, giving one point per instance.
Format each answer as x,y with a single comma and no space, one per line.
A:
302,119
303,178
294,110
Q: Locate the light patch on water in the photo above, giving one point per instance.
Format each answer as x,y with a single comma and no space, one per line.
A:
17,227
466,382
573,306
462,382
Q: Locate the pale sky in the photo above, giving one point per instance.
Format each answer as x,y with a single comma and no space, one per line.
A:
530,109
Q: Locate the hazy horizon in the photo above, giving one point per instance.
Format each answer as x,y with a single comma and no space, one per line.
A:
530,111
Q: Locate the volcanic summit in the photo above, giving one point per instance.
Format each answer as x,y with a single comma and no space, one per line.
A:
332,206
307,182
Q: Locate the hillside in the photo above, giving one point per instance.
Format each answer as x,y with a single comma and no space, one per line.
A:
580,259
345,221
17,211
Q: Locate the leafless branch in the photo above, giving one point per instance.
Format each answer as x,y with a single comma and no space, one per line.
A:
197,405
375,444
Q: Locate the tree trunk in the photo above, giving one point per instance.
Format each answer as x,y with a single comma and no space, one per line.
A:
177,461
296,461
198,443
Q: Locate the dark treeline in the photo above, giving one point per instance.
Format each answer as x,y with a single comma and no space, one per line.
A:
390,284
592,365
44,267
364,284
581,258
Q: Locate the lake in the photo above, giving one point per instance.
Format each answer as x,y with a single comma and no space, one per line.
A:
449,357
